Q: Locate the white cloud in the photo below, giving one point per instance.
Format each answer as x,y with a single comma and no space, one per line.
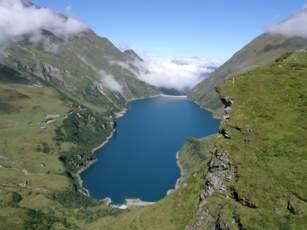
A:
109,81
296,25
180,73
18,19
127,66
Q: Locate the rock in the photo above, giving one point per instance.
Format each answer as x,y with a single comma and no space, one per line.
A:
114,124
227,102
221,226
227,107
292,209
219,171
107,201
225,133
123,207
243,200
52,116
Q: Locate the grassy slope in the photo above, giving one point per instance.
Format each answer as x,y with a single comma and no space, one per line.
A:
38,191
38,161
21,161
269,154
269,157
78,66
35,185
260,52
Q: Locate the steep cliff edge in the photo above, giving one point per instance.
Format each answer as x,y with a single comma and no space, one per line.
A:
256,176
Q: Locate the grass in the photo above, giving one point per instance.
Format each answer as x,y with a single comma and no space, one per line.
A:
260,52
267,149
194,152
35,185
38,159
41,191
269,152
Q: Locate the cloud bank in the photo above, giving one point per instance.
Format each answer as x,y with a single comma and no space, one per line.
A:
20,18
295,25
109,81
179,74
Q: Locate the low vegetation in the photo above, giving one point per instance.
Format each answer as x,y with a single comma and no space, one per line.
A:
260,52
46,137
46,141
267,146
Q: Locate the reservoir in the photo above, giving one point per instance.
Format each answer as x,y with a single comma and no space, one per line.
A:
139,161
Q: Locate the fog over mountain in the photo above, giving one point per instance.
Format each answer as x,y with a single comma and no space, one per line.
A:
19,18
178,73
295,25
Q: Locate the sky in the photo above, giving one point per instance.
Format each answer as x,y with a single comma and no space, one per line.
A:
181,42
173,28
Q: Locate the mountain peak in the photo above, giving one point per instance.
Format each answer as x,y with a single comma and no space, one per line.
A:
133,54
26,3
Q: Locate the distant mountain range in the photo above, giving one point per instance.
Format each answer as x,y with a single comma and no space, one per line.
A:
260,52
60,96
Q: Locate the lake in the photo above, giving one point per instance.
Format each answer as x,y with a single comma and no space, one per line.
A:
139,161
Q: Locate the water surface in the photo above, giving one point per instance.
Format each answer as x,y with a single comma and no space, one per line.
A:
140,159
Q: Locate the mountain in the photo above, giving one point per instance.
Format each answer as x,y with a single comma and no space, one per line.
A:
87,67
60,91
255,178
134,56
252,174
260,52
59,96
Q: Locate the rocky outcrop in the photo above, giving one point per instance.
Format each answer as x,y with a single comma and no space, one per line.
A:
227,101
242,200
219,172
225,133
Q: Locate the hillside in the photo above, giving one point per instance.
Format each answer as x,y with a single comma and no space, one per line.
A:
256,178
58,98
87,67
260,52
251,176
47,136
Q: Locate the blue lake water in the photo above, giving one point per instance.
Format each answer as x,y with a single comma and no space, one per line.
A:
140,159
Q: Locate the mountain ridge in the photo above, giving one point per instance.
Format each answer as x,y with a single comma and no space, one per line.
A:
261,51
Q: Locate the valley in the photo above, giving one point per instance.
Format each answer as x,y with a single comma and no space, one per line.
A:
167,163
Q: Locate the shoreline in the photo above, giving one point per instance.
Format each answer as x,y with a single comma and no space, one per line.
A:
90,163
159,95
214,115
136,201
130,203
180,177
181,169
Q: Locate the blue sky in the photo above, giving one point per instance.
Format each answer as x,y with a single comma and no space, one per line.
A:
179,28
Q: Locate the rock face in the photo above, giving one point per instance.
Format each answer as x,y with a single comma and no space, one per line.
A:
84,65
219,172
